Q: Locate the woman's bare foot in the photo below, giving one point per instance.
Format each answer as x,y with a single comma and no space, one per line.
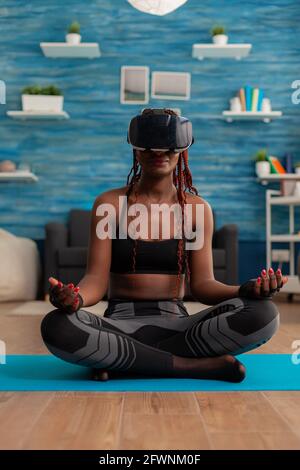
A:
225,367
100,375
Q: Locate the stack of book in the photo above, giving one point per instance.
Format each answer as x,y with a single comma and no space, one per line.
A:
251,98
275,165
287,188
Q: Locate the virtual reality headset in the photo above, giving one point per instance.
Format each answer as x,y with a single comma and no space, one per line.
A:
159,131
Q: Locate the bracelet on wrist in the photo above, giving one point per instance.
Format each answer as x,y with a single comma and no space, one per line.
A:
80,303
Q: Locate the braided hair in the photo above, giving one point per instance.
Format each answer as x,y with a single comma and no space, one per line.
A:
182,179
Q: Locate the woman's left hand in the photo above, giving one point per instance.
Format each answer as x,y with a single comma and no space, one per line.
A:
266,285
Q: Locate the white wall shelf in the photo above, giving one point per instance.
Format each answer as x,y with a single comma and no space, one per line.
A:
279,177
88,50
274,197
17,175
226,51
37,115
231,116
285,238
287,182
285,200
171,85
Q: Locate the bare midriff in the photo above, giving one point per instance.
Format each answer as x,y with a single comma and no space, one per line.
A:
144,286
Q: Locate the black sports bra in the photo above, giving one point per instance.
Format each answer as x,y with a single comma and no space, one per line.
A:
153,257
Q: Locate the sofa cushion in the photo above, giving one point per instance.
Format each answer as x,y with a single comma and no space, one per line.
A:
219,258
72,256
79,227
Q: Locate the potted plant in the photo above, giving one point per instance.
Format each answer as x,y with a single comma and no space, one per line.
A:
73,36
218,35
37,98
262,165
297,168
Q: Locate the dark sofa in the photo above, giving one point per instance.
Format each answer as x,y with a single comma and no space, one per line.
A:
66,250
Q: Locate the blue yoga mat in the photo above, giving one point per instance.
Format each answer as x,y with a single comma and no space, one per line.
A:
48,373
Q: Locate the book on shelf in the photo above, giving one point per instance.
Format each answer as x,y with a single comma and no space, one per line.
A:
251,98
254,99
248,97
242,97
288,162
260,98
276,167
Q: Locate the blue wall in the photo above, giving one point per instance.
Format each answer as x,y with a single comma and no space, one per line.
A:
79,158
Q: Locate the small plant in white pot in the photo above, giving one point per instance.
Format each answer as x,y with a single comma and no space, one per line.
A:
262,165
297,168
37,98
73,36
218,35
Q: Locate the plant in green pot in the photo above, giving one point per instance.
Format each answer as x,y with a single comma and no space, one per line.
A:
262,165
73,35
36,98
218,35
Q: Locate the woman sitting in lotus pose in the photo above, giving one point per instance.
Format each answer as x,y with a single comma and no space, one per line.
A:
146,328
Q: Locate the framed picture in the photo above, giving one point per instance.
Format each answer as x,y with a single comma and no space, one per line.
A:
171,85
134,84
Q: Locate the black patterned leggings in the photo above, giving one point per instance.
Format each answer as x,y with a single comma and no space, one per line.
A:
141,336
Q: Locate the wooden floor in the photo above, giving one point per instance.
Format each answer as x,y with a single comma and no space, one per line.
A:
189,420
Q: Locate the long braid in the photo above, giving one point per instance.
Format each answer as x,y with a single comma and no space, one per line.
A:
131,183
182,179
181,200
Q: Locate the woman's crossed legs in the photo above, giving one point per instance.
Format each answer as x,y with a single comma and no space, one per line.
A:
162,343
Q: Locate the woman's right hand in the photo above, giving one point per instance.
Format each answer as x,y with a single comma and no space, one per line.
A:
65,297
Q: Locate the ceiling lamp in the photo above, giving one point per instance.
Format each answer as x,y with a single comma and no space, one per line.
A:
157,7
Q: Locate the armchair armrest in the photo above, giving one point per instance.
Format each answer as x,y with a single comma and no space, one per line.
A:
227,238
56,238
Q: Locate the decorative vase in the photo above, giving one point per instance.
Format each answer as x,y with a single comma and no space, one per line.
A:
297,170
235,104
220,39
73,38
7,165
288,163
266,105
262,168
